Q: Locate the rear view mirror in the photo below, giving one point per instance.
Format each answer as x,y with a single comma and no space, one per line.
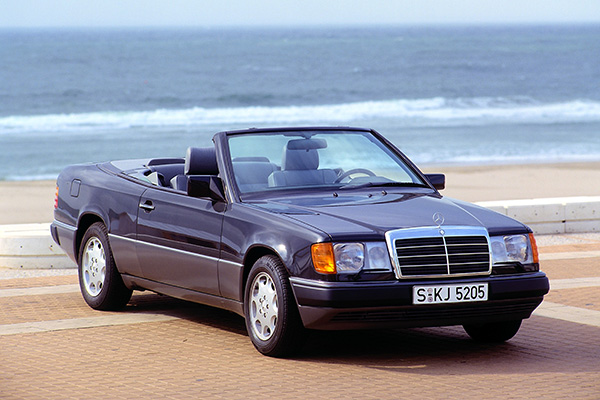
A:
206,186
438,181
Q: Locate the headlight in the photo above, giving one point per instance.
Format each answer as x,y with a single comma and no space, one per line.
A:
349,258
378,257
513,248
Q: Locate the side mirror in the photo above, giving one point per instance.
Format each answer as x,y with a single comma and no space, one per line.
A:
437,180
206,186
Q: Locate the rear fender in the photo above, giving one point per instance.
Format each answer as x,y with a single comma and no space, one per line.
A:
85,221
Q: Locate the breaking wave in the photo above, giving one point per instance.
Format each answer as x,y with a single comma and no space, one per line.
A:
419,112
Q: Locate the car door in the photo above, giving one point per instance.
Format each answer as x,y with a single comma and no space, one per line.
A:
178,239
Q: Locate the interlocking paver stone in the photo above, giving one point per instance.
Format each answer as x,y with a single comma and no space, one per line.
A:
205,353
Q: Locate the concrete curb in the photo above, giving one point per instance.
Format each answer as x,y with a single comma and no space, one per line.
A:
553,215
30,246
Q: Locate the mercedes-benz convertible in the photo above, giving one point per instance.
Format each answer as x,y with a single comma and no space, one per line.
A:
296,229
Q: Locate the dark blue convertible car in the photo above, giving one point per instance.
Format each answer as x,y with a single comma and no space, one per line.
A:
294,229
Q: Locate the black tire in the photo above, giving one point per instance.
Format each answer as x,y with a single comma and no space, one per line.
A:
272,318
493,332
99,280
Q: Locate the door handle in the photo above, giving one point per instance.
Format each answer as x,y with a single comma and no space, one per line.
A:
147,206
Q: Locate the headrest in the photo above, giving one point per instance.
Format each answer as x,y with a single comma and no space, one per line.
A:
201,161
300,160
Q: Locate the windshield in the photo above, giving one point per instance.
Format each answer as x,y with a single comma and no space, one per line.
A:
308,159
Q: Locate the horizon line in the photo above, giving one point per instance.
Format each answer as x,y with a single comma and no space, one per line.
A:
312,25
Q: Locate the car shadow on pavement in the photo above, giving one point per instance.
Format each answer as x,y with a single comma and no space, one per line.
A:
148,302
539,346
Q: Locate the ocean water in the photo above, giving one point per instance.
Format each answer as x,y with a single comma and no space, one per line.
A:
444,95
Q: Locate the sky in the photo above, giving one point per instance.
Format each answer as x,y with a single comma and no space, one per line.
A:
214,13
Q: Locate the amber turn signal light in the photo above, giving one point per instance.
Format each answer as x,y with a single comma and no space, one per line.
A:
534,249
322,257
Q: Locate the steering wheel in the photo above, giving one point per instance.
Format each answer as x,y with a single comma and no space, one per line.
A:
354,171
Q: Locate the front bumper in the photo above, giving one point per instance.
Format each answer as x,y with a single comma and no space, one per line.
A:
380,304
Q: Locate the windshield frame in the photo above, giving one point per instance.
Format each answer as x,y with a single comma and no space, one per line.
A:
222,140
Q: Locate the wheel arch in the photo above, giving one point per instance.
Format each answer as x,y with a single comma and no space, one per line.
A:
253,254
85,221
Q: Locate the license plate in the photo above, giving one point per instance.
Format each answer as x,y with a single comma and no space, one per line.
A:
436,294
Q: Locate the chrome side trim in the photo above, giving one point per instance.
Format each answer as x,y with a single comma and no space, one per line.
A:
119,237
158,246
296,281
233,264
316,284
62,225
185,294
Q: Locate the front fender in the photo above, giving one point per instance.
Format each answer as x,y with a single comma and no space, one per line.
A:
249,233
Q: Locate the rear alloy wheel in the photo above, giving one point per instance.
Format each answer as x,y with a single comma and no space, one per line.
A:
93,266
99,280
493,332
272,318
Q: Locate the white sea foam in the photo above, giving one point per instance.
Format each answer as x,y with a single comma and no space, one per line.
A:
419,112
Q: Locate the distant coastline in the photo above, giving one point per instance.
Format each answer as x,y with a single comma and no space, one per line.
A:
449,95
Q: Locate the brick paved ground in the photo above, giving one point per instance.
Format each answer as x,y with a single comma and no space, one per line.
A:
198,352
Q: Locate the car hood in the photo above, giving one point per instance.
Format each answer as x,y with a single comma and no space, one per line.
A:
370,215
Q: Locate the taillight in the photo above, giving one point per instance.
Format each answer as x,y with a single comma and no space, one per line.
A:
56,198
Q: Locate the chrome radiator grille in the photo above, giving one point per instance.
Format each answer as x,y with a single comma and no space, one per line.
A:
440,252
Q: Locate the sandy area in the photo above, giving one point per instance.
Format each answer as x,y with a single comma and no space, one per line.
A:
26,202
29,202
528,181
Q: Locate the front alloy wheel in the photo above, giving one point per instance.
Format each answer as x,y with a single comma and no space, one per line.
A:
272,319
263,306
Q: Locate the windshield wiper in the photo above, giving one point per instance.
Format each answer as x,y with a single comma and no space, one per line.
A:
384,184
